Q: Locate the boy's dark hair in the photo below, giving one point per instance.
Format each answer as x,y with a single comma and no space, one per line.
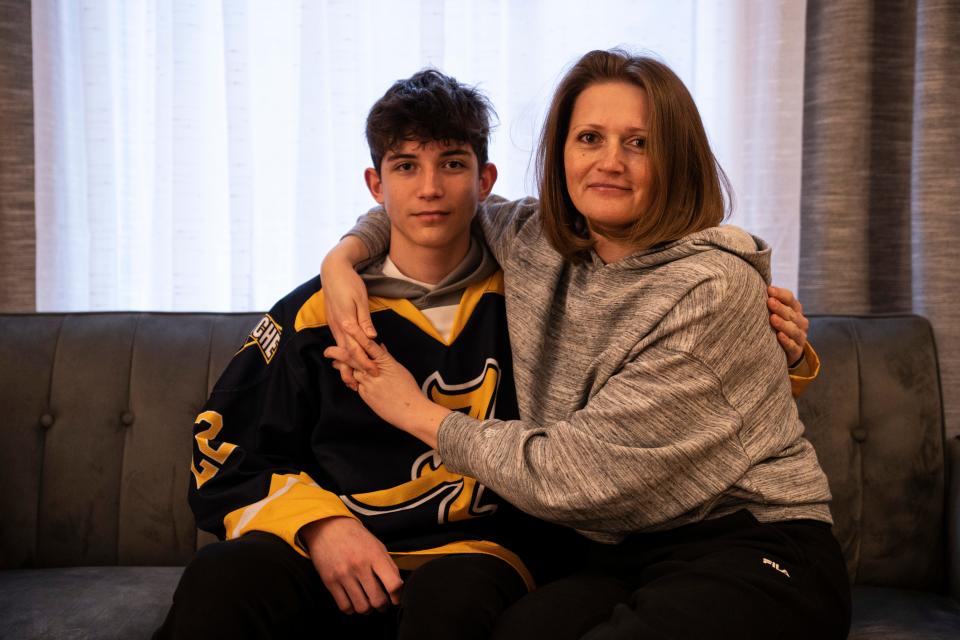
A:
429,106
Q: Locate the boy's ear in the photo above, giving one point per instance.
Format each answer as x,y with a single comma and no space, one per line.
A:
374,184
488,177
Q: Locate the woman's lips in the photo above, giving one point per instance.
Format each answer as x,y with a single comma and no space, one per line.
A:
607,185
609,189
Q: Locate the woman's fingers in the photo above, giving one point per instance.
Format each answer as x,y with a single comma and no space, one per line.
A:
346,374
354,355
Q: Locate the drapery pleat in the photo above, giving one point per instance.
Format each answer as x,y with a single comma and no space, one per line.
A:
880,203
202,155
17,235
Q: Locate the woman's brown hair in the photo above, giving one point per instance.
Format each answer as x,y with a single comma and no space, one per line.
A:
688,189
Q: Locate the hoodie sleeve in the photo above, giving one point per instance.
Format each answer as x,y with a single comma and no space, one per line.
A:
658,440
500,221
248,467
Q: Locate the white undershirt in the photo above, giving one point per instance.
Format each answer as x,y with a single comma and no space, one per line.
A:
440,317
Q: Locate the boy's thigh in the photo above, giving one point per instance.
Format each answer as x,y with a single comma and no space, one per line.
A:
256,586
457,596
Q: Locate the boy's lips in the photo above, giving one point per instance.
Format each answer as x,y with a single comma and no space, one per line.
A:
431,215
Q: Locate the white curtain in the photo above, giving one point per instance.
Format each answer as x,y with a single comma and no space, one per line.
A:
204,154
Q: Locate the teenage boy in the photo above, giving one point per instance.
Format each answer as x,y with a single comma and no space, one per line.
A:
325,510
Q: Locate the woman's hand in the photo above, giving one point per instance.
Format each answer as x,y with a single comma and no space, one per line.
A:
786,317
346,307
394,394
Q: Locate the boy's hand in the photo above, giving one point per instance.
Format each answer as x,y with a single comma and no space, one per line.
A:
353,564
787,319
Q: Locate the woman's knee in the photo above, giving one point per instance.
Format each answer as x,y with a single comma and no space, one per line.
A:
563,609
459,595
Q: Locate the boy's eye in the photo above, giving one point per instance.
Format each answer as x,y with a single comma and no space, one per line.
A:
455,164
404,166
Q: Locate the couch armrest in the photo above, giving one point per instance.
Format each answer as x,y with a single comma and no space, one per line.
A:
953,515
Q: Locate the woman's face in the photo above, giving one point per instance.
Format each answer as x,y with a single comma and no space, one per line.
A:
605,158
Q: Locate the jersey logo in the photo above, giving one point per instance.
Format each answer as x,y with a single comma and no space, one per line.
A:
215,456
265,335
451,496
476,398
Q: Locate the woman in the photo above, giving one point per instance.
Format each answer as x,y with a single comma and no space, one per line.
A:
657,419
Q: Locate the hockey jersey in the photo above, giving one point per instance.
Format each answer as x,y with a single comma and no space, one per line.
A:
282,441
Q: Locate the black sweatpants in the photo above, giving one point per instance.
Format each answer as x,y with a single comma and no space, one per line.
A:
731,577
258,587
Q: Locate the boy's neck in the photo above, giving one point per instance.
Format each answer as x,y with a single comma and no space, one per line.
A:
428,264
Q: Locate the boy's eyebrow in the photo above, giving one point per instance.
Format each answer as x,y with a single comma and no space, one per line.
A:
392,155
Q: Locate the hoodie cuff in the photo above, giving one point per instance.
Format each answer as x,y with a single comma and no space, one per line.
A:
456,438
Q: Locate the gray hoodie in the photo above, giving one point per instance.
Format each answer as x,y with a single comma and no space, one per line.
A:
652,390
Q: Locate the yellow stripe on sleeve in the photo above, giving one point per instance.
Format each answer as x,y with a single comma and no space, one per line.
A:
805,372
292,502
410,560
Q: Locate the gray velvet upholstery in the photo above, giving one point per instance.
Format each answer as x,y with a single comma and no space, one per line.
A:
95,418
85,602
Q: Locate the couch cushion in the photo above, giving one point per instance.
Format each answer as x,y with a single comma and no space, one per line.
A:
899,614
875,418
85,602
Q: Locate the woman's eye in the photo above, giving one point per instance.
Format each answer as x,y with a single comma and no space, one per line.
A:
639,143
588,137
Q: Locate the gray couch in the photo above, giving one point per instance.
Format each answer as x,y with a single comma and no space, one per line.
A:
97,412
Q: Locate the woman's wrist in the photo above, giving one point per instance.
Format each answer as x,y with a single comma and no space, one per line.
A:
424,422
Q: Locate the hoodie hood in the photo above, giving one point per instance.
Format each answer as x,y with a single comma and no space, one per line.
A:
728,238
476,266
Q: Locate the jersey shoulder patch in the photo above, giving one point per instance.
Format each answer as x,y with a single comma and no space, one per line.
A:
266,336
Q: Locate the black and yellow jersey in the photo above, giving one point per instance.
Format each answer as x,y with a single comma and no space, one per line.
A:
283,442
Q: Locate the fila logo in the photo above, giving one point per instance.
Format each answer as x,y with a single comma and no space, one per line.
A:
776,566
265,335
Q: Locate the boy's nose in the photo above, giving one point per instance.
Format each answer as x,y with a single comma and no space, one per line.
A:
431,185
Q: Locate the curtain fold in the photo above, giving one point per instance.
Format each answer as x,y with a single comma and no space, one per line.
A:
17,235
880,203
204,155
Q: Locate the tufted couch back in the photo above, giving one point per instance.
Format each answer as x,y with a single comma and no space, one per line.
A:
875,417
96,413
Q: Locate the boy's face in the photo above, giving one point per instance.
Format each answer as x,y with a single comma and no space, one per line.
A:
430,192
